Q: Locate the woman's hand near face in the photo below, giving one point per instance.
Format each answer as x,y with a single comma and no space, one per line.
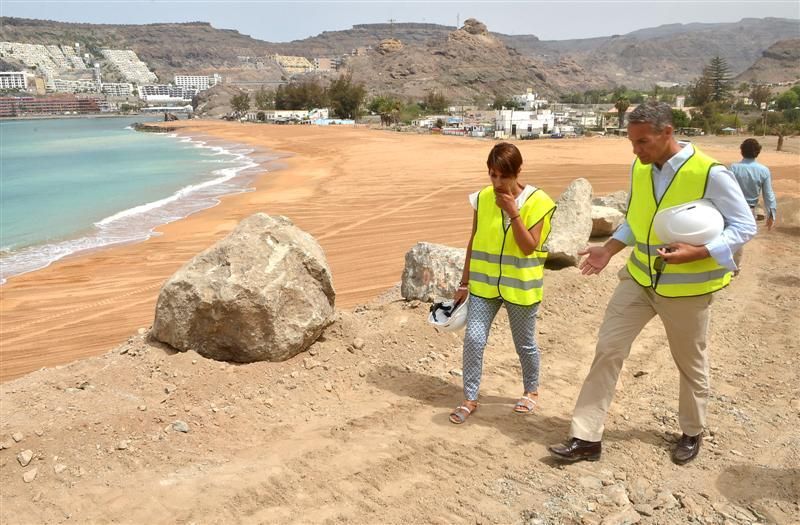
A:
506,202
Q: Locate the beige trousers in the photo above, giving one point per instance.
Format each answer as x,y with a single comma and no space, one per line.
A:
631,307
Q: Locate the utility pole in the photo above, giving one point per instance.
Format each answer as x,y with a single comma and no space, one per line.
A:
391,27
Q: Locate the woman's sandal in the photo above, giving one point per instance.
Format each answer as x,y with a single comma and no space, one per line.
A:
461,413
526,404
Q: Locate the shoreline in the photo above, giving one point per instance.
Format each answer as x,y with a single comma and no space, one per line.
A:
359,193
119,228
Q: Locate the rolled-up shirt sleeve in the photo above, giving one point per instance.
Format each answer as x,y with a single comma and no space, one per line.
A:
769,196
624,234
740,226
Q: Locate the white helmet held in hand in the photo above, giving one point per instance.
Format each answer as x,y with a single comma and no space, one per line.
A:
696,223
447,317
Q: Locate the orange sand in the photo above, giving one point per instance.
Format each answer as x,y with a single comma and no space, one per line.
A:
366,195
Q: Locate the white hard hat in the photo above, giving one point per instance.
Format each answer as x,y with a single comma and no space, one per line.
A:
696,223
446,317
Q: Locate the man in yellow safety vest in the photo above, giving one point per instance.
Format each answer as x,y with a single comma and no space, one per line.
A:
672,280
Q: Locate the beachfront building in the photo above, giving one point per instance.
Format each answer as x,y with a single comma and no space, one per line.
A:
198,82
61,105
513,123
117,89
293,65
50,61
128,64
60,85
13,81
286,116
165,93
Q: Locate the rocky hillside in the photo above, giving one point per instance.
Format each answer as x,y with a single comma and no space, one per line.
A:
431,57
779,63
476,64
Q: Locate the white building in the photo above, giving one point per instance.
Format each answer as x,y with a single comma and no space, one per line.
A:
198,82
60,85
165,93
513,123
117,89
13,80
530,101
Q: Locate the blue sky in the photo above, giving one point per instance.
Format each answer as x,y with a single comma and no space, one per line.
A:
280,21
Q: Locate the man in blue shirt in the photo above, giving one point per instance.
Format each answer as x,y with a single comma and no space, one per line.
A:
754,178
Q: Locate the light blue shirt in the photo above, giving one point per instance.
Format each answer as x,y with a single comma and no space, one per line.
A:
723,190
754,178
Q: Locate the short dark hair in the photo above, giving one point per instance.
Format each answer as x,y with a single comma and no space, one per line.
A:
750,148
659,114
505,158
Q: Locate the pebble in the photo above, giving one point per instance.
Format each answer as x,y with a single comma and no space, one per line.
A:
590,482
39,432
328,387
456,372
30,475
25,457
122,445
361,373
180,426
618,495
142,407
170,388
358,343
58,468
141,331
17,436
5,444
626,516
644,510
294,375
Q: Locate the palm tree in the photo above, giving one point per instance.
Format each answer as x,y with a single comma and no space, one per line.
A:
622,104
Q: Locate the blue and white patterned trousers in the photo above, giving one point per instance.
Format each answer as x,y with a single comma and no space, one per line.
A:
522,319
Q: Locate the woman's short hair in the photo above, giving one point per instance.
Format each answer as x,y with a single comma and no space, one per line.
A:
505,159
750,148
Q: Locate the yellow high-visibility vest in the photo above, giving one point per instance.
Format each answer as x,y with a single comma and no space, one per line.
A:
498,267
645,266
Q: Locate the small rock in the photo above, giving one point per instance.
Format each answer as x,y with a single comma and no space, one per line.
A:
294,375
736,452
626,516
170,388
618,495
58,468
141,331
17,436
456,372
358,343
122,445
590,482
5,444
194,361
312,351
30,475
361,373
640,373
142,407
643,509
25,457
328,387
665,500
180,426
39,432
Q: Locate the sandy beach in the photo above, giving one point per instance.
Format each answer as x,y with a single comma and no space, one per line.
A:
366,195
356,430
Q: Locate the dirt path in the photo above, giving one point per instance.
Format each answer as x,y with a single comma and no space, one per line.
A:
356,431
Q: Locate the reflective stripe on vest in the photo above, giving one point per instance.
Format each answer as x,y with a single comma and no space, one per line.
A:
670,280
498,267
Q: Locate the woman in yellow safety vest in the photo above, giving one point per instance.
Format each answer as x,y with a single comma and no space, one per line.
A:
504,266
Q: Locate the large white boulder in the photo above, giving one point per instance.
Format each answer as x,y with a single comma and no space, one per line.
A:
432,271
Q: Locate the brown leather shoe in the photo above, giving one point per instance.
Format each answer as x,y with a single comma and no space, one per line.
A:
687,449
577,450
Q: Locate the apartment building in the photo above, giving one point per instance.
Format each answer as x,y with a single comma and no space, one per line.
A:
60,85
166,93
117,89
128,64
198,82
13,80
17,106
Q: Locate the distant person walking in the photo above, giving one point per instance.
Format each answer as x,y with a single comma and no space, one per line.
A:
504,267
755,179
673,281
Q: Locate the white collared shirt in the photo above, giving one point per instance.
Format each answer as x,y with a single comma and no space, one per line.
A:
723,190
520,200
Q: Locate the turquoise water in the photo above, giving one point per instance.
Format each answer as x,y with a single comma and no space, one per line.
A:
69,185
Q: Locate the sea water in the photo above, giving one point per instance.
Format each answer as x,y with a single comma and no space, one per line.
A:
71,185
